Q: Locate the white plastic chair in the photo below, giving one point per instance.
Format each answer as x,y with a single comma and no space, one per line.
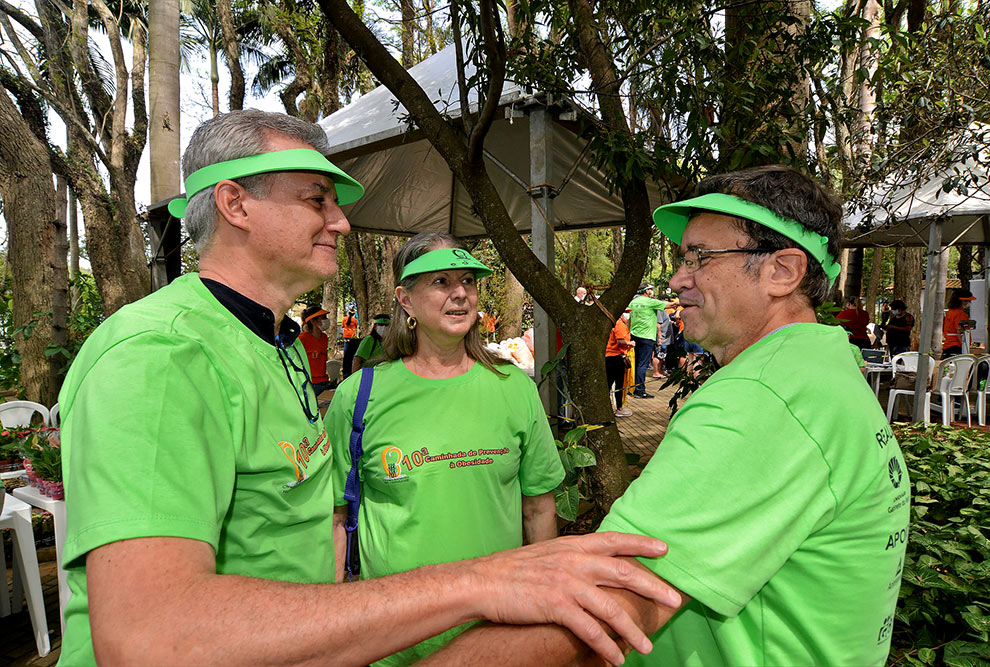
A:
952,381
981,392
53,416
14,414
16,516
906,362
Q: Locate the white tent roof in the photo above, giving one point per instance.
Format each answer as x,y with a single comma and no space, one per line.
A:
410,189
904,206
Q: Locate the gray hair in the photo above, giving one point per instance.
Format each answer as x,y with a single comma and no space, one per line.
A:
790,194
230,136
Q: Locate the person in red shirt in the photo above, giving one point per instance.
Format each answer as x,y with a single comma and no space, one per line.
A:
619,342
316,342
854,320
951,336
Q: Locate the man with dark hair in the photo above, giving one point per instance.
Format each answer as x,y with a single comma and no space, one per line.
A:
778,481
199,493
899,327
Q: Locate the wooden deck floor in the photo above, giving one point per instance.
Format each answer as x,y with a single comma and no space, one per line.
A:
640,433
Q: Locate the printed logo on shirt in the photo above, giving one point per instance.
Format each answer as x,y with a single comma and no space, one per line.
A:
894,470
884,435
895,538
299,456
885,629
392,463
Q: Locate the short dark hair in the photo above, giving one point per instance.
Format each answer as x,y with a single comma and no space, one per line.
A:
790,194
897,304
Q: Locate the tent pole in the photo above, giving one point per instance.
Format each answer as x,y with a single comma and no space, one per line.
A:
540,159
928,318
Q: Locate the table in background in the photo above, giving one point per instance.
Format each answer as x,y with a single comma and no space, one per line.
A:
874,372
32,496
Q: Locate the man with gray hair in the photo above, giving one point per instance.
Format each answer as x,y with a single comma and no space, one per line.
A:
778,484
199,493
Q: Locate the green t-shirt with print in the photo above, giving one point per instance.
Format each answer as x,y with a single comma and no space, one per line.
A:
445,465
369,348
784,499
178,421
643,316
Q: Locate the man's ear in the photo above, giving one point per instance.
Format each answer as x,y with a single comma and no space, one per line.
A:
784,271
229,197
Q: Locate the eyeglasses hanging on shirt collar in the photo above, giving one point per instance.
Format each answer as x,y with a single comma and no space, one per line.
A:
291,355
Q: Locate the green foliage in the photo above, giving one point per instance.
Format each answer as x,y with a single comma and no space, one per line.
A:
826,313
943,615
576,459
86,315
687,379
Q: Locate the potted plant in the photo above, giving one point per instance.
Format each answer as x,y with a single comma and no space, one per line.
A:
46,462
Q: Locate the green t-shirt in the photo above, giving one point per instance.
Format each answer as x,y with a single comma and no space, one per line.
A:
857,355
368,348
783,496
178,421
643,316
445,466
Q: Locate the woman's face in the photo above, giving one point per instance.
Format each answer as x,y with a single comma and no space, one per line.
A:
444,304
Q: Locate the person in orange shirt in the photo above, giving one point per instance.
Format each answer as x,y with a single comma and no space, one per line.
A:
619,342
951,336
315,341
349,330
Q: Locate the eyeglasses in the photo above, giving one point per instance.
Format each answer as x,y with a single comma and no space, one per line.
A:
692,259
291,354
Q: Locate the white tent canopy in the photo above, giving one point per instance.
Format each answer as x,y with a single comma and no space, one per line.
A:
411,189
903,208
948,207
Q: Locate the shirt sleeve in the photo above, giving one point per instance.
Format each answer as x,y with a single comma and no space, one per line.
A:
365,348
540,469
734,489
151,447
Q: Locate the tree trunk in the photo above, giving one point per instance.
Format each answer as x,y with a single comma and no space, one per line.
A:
330,304
965,265
939,307
233,53
73,246
370,259
408,32
511,326
214,81
909,266
854,273
615,252
30,213
873,287
754,42
164,121
60,291
589,392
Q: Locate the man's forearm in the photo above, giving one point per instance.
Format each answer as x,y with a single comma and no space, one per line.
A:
542,645
160,600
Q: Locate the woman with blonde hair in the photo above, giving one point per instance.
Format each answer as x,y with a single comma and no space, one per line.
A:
458,458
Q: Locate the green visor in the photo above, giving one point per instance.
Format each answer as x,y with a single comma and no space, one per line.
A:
671,219
445,259
295,159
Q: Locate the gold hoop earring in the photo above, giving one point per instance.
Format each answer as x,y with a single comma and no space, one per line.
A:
411,322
